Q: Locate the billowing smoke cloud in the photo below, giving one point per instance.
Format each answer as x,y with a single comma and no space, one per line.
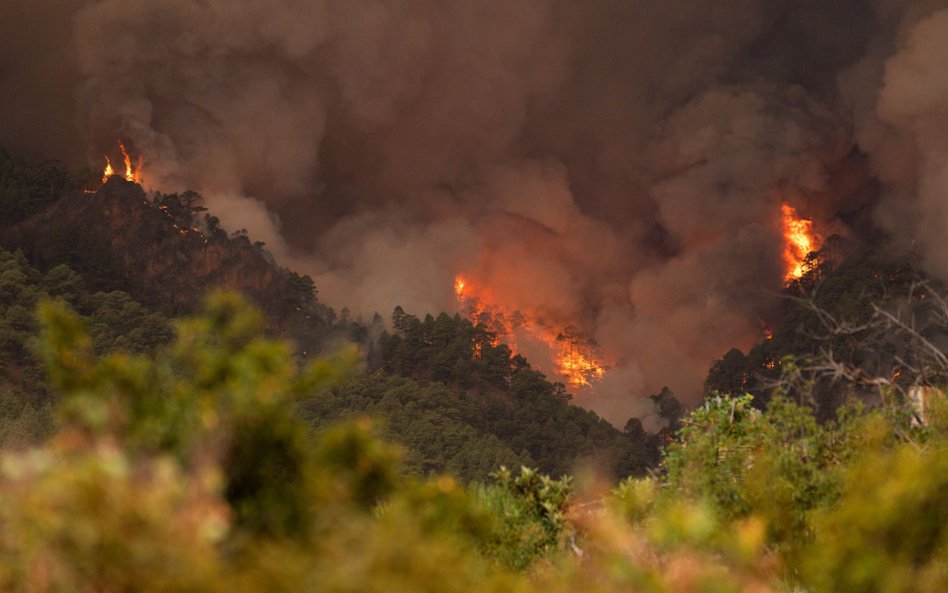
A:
907,133
614,166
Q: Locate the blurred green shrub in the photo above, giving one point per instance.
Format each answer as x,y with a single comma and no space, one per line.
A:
188,471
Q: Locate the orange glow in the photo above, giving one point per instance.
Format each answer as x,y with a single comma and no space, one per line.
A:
799,241
574,357
765,331
132,173
494,318
109,171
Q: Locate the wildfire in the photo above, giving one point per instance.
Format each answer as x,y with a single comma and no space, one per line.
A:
799,242
574,357
574,360
132,173
109,171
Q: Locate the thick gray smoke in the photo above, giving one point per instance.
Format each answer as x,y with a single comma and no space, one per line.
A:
615,166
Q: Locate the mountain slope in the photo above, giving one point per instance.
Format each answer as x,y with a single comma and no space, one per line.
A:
166,253
456,401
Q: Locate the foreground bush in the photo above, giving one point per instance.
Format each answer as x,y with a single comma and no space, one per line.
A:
188,471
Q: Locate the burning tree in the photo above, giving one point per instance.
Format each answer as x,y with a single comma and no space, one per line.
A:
575,357
873,328
800,241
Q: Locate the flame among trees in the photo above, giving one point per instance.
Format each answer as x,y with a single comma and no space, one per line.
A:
799,242
574,356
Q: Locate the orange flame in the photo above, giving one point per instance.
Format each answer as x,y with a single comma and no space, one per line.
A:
574,357
109,171
799,242
132,173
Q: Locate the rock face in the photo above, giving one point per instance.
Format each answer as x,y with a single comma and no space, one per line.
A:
120,240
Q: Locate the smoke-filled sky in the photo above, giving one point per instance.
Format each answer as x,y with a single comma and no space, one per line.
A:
614,165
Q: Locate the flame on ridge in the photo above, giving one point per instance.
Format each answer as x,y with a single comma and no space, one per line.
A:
109,171
574,356
799,242
132,173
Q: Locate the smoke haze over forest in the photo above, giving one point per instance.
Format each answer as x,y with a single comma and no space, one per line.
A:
615,166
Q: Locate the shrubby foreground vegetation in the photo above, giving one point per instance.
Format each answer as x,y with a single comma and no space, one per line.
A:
189,470
144,453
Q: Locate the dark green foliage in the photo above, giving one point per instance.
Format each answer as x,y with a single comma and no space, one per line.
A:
360,464
669,408
221,385
729,374
546,498
23,421
856,506
117,323
26,189
188,471
433,422
302,290
833,309
264,466
441,349
780,464
149,246
225,395
165,250
466,406
511,414
89,253
289,301
889,530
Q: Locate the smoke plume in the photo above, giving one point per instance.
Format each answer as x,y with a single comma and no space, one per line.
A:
613,166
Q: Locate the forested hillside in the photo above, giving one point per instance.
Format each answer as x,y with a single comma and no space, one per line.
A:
165,250
869,328
447,390
145,432
116,323
466,405
473,296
